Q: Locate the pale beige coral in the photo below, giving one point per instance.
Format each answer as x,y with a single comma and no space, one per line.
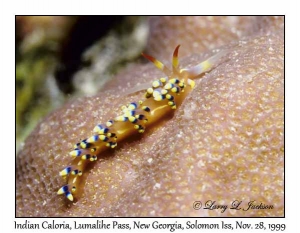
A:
224,143
198,34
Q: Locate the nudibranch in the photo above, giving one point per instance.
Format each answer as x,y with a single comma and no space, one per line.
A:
160,99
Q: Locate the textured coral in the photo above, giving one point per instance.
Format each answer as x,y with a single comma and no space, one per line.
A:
198,34
224,143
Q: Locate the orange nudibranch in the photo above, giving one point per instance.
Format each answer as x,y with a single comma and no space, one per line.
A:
160,99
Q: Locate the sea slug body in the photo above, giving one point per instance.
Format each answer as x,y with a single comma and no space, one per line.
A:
163,97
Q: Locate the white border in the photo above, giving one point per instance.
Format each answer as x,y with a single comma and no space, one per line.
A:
138,7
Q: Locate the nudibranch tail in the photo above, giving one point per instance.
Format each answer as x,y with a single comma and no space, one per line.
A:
160,99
